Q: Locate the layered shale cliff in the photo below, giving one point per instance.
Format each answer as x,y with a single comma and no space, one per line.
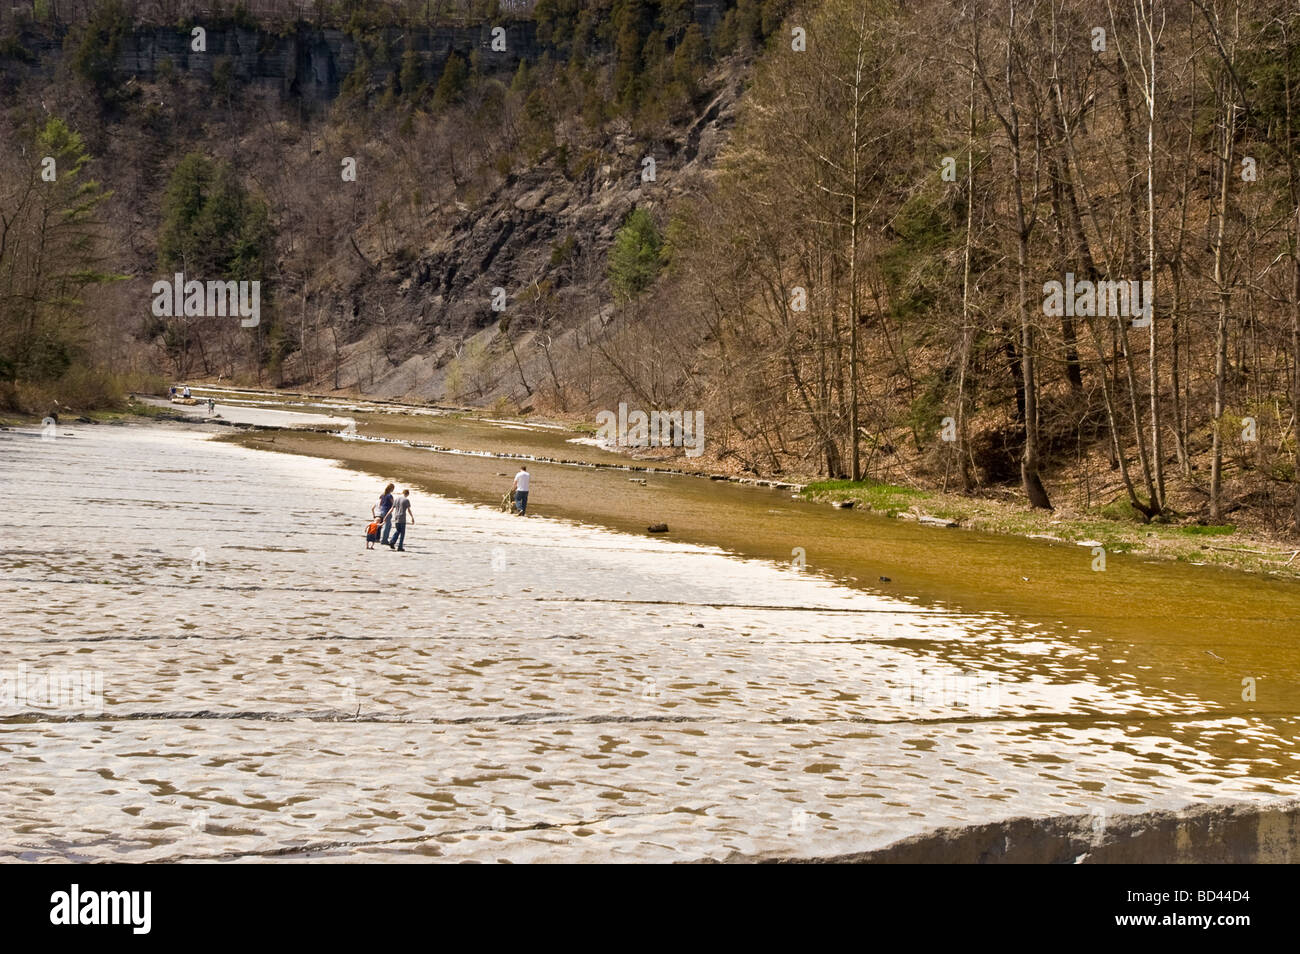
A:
307,64
302,61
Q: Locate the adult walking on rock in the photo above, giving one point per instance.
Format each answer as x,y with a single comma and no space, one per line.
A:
383,512
401,513
521,492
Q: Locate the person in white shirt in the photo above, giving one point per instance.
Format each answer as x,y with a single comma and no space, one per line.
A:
521,492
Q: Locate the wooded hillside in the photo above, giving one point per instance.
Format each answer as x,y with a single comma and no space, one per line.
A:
1033,244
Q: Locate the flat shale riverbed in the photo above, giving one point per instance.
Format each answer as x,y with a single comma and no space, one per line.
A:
200,661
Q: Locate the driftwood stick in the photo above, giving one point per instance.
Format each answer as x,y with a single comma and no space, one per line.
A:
1244,550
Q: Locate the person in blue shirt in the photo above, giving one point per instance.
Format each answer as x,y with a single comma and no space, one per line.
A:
383,512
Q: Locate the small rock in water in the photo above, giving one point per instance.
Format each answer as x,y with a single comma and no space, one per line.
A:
884,579
658,528
936,521
843,505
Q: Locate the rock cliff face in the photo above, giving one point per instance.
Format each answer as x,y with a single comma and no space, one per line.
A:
310,64
443,297
307,63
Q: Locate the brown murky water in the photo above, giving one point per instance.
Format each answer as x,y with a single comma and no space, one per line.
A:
270,687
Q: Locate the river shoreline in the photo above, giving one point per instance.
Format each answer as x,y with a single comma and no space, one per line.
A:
1224,547
1190,543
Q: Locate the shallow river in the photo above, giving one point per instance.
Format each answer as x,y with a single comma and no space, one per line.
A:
200,660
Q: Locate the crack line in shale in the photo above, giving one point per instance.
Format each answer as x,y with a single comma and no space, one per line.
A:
567,718
471,594
495,638
911,611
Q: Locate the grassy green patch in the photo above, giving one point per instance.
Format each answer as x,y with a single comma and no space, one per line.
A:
875,495
1122,511
862,486
1211,530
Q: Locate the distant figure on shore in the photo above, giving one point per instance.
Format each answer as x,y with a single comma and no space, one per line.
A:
172,392
521,492
212,405
186,392
383,512
401,511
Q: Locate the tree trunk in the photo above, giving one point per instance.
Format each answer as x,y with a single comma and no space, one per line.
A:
1293,189
1224,299
1149,92
1030,479
963,470
856,462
